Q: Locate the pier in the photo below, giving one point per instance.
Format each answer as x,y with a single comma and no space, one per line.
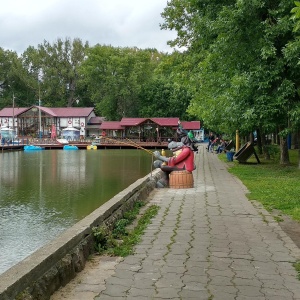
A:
105,143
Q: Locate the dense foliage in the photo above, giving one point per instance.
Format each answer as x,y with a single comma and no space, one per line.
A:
118,82
246,55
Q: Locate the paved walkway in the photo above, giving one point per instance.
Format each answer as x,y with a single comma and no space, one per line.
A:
208,242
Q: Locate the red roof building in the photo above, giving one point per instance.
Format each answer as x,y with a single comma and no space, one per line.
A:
111,125
35,119
147,129
29,120
192,125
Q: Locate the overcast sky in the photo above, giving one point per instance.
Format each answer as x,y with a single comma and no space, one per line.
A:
119,23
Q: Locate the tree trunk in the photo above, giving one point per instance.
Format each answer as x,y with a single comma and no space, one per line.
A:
251,138
298,138
71,98
273,138
277,138
284,152
265,147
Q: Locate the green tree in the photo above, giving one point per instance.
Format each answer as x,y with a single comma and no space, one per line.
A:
13,80
296,15
163,98
53,70
114,78
243,80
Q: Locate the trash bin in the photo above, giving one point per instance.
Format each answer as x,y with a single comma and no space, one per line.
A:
230,155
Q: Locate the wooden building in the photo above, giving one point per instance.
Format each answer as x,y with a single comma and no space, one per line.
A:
37,119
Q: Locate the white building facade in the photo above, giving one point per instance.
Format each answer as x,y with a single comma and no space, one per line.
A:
37,119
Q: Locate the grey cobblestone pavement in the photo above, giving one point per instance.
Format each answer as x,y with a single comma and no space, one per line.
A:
209,242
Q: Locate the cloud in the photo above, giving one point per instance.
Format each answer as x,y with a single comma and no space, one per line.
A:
110,22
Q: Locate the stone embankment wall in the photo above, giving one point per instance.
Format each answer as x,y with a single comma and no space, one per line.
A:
39,275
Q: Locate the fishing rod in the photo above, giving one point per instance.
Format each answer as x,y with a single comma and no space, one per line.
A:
128,144
135,144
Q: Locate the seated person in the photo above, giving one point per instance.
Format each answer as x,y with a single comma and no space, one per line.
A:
221,146
212,145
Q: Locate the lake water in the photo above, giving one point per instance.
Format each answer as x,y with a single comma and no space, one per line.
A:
44,192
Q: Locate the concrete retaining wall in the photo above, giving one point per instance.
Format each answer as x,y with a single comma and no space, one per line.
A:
54,265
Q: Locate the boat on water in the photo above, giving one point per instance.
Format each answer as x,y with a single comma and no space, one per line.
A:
33,148
91,147
70,147
62,141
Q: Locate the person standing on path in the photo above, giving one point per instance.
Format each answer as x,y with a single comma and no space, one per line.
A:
211,138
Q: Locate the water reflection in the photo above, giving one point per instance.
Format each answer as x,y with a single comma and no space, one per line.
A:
43,193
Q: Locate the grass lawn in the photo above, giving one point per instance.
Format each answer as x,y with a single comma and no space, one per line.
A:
275,186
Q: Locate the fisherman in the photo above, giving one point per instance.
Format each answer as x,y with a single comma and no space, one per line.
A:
182,159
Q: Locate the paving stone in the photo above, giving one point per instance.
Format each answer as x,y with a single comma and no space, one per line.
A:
142,292
168,293
247,282
115,290
195,280
220,281
197,295
167,282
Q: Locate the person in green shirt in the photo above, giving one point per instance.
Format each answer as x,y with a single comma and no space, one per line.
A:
191,135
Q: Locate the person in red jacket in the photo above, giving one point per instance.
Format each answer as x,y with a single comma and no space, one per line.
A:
183,159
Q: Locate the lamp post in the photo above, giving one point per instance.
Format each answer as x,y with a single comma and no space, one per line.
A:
237,141
40,114
40,76
13,106
13,112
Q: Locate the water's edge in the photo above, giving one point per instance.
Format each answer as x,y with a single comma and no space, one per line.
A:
55,264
